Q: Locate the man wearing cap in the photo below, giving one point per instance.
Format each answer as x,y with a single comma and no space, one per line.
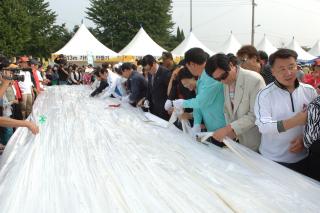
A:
280,113
35,77
26,88
5,84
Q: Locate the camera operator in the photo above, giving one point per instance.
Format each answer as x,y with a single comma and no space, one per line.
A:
6,74
63,73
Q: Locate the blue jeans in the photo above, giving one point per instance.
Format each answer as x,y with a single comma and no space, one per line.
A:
6,133
62,82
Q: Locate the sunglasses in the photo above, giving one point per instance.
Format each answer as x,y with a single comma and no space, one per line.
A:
222,77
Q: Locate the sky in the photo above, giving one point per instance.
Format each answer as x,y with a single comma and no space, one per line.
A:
213,20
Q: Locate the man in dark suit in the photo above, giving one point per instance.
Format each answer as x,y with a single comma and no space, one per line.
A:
158,80
136,83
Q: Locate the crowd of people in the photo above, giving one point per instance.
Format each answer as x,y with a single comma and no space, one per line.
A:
266,103
261,102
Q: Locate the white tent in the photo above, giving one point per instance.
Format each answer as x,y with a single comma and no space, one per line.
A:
82,44
142,45
190,42
232,45
315,50
266,46
302,55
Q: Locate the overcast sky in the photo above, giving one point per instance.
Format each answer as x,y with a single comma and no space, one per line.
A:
213,20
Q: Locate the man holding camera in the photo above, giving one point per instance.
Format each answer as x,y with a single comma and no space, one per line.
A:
6,80
8,122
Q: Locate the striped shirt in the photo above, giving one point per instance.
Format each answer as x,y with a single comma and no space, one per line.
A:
312,128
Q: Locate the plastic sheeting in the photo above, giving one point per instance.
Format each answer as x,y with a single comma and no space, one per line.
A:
92,157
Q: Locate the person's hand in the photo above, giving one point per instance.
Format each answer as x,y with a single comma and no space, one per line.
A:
175,73
125,99
32,127
297,145
195,130
221,133
178,103
140,103
168,105
301,117
185,116
146,104
15,101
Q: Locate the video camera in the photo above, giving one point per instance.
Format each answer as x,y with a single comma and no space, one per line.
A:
9,73
61,60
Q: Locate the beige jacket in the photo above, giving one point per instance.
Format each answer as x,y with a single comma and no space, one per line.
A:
242,118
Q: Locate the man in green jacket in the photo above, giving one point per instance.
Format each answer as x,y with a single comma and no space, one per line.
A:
208,104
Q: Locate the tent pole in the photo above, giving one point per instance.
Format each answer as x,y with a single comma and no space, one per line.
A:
190,15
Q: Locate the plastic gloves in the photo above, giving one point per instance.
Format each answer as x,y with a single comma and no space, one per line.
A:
178,103
168,105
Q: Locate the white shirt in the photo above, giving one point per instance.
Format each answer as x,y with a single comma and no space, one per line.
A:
7,110
95,84
27,84
275,104
88,70
115,82
40,79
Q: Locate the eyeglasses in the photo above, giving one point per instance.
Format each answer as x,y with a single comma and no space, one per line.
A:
291,68
224,76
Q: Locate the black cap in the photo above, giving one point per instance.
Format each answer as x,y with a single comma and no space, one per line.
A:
34,61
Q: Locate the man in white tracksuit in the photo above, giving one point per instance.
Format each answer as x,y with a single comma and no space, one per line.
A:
280,113
115,88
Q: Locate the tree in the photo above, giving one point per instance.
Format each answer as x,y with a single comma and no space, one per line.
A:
59,36
42,27
28,27
75,29
182,35
14,30
118,21
306,48
178,34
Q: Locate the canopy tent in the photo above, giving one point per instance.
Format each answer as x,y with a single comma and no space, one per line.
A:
265,45
84,44
315,50
302,55
141,45
232,45
190,42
